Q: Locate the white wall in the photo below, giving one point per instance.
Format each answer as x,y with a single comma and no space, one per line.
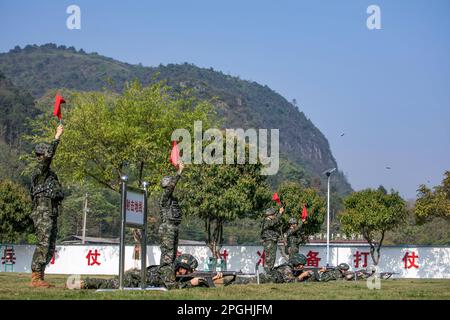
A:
433,262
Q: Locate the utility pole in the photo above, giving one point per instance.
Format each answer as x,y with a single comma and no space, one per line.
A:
328,174
83,241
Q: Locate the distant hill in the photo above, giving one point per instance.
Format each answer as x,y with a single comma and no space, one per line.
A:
243,104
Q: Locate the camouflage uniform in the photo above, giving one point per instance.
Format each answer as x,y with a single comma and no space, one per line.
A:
293,241
281,274
47,194
156,277
358,275
336,273
171,218
284,273
270,232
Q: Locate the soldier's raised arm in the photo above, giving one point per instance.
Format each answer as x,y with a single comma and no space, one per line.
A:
169,184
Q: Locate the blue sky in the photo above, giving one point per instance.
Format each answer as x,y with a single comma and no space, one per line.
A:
387,90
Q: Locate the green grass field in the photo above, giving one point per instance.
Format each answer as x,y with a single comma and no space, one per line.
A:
15,286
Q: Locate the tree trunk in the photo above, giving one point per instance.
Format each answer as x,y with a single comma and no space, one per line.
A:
214,231
375,254
375,250
141,170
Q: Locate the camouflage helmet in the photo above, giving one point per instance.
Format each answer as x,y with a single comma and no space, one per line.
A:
297,259
293,221
186,261
343,266
165,181
270,211
42,149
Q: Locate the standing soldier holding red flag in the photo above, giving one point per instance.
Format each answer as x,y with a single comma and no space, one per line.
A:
293,237
270,234
47,194
294,233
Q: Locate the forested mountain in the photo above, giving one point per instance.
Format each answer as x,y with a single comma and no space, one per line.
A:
243,104
16,106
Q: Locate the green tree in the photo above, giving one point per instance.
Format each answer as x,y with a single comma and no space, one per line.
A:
103,214
15,209
372,213
295,196
433,203
108,135
219,193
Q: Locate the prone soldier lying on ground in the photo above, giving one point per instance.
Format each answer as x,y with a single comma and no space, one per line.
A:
295,271
213,279
336,273
292,271
157,276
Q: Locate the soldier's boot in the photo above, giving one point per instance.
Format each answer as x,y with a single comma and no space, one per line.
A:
37,282
43,280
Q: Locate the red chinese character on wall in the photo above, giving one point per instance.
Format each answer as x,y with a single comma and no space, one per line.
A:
312,260
262,258
9,256
358,256
140,207
93,256
224,255
410,260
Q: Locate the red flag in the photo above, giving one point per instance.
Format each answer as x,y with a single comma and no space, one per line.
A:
304,214
57,108
175,154
276,198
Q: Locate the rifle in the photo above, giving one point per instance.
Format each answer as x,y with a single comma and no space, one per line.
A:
207,276
387,275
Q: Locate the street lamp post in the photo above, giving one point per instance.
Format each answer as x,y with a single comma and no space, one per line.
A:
328,174
123,193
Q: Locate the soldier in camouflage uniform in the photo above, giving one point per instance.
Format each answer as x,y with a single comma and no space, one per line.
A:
284,273
170,219
270,233
337,273
293,236
157,276
46,194
299,270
